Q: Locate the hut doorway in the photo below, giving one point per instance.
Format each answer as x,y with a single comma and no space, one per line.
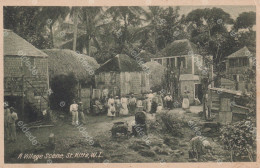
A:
198,91
85,96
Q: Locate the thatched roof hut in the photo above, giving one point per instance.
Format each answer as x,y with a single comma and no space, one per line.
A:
120,63
122,75
156,73
64,61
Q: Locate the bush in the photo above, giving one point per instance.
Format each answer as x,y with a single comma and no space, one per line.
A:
240,139
172,124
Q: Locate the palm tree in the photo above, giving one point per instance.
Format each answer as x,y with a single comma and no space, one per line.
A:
49,15
91,18
126,15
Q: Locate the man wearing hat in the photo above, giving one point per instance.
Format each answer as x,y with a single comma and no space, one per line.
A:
12,118
7,113
82,116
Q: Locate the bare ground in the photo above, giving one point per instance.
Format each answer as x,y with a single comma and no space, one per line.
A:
161,147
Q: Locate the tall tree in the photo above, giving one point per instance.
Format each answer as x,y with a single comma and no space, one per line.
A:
125,16
49,15
24,22
245,20
91,18
208,29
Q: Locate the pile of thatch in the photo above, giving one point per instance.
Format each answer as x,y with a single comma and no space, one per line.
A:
179,47
156,73
64,61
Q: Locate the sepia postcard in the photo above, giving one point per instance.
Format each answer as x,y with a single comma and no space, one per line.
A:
129,83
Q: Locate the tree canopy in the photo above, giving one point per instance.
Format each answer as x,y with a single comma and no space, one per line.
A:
103,32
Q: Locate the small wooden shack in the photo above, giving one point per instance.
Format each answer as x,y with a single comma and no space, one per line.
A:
223,102
26,80
122,75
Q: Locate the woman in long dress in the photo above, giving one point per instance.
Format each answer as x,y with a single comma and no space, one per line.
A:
111,107
124,109
149,101
185,101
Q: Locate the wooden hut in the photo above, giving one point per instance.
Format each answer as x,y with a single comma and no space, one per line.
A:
223,101
122,75
25,75
64,62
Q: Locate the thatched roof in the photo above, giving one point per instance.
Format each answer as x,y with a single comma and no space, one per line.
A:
178,48
63,61
156,73
17,46
120,63
146,55
243,52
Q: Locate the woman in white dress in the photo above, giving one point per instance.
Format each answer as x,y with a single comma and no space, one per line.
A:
111,107
149,101
124,103
185,101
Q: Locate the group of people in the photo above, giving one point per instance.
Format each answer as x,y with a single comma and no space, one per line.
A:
129,105
10,117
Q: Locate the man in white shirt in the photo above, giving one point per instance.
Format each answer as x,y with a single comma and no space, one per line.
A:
74,113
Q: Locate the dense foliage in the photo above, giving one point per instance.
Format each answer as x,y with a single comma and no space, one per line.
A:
104,32
240,139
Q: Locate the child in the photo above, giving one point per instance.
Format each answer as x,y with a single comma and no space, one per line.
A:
159,108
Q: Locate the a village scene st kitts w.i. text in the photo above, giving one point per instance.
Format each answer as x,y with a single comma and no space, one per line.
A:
129,84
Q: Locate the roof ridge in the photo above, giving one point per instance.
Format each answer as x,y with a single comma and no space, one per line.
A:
237,52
